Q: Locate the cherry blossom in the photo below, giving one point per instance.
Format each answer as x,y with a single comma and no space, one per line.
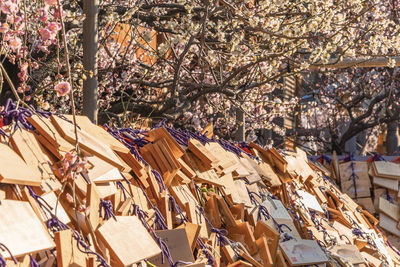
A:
62,88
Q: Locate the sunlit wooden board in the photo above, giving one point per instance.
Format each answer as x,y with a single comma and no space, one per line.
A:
101,171
178,245
388,224
161,132
68,253
13,169
349,253
128,240
106,189
46,128
26,145
386,169
87,141
301,252
390,209
51,199
100,133
391,184
21,230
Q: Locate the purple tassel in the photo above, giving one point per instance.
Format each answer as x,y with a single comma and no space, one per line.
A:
108,209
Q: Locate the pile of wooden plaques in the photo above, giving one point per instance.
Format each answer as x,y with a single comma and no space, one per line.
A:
374,185
385,176
355,182
86,197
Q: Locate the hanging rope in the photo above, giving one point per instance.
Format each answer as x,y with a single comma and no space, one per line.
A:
107,207
2,260
354,178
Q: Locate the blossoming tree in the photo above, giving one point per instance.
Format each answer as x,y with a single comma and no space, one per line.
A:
342,104
192,61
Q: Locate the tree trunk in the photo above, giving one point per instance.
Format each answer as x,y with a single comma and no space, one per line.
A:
90,48
240,120
392,138
351,146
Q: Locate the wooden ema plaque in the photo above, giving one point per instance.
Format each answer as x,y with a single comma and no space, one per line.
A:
68,253
14,170
21,230
301,252
348,253
86,141
178,245
128,240
161,132
101,134
50,135
386,169
26,145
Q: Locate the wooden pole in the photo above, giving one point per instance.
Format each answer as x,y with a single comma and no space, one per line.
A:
90,49
240,120
392,138
357,63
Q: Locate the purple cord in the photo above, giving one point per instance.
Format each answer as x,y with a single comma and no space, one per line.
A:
107,206
175,207
120,185
353,177
54,224
2,260
263,211
33,263
42,203
159,179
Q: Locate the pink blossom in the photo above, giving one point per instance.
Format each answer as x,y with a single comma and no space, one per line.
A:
51,2
9,7
15,44
45,34
54,27
43,14
62,88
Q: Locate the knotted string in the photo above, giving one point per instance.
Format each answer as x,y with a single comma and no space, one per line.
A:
376,157
15,113
33,263
107,206
286,237
388,197
323,157
263,211
173,206
165,253
54,224
220,233
42,203
358,232
159,179
253,196
159,219
353,177
206,252
121,186
84,248
164,250
2,260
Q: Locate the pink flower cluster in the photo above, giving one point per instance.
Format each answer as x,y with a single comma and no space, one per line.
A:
70,165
